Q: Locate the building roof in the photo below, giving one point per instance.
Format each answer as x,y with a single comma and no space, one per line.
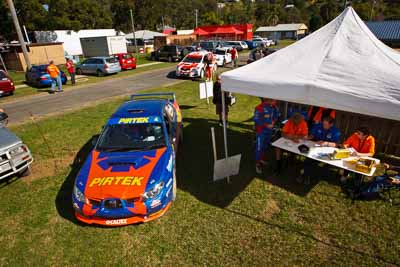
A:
144,34
283,28
385,30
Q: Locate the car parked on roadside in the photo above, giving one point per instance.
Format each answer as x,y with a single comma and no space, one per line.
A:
194,65
7,86
99,66
126,61
130,175
187,50
15,156
207,45
167,52
37,76
223,56
234,44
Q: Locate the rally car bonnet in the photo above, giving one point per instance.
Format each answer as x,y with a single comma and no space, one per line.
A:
120,175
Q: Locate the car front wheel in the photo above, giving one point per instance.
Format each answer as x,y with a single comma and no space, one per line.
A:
26,172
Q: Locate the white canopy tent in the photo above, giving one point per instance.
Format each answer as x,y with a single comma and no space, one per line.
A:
341,66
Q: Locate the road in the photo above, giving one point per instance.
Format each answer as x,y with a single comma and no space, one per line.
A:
44,105
39,106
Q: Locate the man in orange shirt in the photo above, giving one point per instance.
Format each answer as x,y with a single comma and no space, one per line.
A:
295,129
55,76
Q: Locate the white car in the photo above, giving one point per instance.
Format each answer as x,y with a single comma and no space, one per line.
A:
258,41
193,65
242,44
223,56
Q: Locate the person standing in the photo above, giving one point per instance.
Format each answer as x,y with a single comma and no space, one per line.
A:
234,55
217,100
266,115
55,76
71,70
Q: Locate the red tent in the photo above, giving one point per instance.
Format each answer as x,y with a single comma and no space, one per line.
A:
200,31
227,30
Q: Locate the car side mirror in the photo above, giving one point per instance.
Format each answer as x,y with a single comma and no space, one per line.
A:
95,138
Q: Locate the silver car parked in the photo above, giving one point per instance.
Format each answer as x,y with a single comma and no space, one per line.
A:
15,156
99,66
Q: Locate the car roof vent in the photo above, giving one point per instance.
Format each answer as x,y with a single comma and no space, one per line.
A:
135,111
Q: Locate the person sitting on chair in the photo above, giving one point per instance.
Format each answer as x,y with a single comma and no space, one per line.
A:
295,129
324,134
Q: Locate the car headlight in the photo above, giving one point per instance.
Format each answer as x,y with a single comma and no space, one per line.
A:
18,150
79,195
153,192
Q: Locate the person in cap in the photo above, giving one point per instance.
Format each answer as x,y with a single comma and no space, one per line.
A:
71,69
266,114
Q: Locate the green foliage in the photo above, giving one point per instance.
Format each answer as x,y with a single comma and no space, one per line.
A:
150,14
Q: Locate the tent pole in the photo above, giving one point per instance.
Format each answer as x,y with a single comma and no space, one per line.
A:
224,125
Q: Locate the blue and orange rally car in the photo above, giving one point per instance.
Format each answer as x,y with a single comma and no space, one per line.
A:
129,176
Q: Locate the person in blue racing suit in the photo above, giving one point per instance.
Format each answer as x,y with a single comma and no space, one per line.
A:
325,134
265,116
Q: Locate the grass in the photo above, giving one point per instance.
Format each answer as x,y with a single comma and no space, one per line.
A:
253,221
283,43
29,91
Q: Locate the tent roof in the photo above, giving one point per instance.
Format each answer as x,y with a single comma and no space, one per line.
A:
341,66
144,34
226,30
200,31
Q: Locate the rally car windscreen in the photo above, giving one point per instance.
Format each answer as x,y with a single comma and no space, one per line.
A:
192,59
131,137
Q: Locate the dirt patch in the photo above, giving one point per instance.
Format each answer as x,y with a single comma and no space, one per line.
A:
270,210
48,167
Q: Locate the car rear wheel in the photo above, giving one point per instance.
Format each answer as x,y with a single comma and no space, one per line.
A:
79,71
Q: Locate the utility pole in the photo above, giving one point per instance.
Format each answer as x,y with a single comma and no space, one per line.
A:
133,32
19,33
196,12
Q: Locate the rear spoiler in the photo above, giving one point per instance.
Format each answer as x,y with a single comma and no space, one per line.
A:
167,96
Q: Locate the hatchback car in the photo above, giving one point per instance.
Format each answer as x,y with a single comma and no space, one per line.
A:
126,61
167,52
7,86
37,76
99,66
130,176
